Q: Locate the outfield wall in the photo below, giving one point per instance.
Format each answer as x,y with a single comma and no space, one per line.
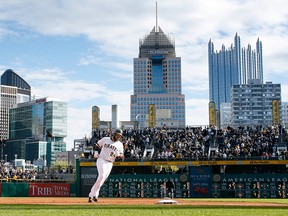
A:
200,180
34,189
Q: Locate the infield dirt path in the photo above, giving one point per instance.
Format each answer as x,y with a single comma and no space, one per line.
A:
128,201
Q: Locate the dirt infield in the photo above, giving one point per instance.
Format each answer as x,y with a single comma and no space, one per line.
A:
130,201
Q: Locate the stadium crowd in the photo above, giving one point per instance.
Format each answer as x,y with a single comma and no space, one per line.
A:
190,143
8,172
202,143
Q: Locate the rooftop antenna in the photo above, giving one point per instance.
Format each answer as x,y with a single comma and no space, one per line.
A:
156,30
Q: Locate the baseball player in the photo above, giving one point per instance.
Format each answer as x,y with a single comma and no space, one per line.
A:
111,148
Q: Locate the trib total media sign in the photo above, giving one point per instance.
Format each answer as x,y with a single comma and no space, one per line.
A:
49,190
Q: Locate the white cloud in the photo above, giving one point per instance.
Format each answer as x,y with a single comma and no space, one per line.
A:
197,112
116,27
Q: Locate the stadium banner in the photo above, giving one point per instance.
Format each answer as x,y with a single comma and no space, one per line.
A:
200,182
191,163
212,113
95,117
152,115
275,112
49,190
250,186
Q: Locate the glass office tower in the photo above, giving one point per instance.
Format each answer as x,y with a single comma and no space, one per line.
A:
232,66
37,130
157,80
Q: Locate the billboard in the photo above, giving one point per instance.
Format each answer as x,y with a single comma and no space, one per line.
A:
95,117
200,181
275,112
152,115
212,113
49,190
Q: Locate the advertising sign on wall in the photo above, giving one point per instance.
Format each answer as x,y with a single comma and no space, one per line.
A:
275,112
49,190
95,117
212,113
200,181
152,115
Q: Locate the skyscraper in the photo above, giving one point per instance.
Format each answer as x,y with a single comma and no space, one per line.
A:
232,66
13,90
37,130
157,80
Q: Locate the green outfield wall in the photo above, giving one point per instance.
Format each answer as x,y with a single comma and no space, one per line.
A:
36,189
194,179
201,179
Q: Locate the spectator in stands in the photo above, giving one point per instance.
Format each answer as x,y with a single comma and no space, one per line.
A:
195,143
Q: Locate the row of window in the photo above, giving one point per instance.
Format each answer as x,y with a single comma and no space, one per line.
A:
251,108
144,81
253,117
149,62
261,86
253,113
159,99
144,91
175,109
173,67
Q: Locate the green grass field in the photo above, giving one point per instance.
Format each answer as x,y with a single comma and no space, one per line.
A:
148,210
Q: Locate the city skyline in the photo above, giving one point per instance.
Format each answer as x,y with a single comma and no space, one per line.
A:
83,54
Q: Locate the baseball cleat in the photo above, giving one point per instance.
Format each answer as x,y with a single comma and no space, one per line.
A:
94,199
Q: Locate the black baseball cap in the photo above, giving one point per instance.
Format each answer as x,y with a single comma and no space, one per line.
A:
118,131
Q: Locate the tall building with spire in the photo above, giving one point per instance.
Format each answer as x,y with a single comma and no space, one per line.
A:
232,66
157,81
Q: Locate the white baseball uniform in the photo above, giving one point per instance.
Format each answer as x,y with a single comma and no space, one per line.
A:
109,151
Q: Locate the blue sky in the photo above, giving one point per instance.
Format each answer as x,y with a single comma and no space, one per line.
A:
82,51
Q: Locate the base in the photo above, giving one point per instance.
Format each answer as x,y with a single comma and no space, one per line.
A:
167,200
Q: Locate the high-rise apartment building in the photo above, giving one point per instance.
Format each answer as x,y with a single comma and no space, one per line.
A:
157,80
251,103
13,90
232,66
37,130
